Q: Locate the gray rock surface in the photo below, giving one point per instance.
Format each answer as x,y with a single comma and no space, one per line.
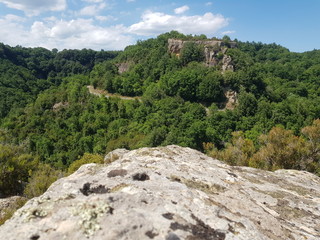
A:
124,67
211,49
227,63
232,99
171,193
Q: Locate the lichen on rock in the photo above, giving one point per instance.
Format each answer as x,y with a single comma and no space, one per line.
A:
89,214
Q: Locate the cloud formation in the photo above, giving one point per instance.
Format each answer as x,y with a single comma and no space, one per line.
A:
93,1
105,18
35,7
154,23
92,10
229,32
62,34
92,26
9,22
181,10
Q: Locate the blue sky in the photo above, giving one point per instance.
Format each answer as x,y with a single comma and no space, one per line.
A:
113,25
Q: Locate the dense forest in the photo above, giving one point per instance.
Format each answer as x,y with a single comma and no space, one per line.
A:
50,123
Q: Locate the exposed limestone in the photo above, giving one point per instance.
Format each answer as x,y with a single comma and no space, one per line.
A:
227,63
171,193
232,99
175,45
100,92
115,155
60,105
123,67
213,51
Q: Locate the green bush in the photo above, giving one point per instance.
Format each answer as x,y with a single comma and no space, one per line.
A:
86,158
15,169
40,180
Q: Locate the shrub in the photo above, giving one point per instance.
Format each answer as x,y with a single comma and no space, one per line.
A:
237,152
86,158
15,169
312,158
40,180
280,149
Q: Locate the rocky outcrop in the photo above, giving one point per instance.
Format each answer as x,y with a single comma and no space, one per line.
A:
123,67
227,63
175,45
100,92
232,99
171,193
60,105
213,51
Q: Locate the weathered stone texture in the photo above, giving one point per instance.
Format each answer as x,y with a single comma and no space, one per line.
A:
211,49
171,193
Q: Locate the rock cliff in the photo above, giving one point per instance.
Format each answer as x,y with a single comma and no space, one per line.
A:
171,193
211,48
232,99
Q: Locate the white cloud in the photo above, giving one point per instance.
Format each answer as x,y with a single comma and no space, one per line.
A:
74,34
93,1
14,18
92,10
209,3
50,19
53,32
105,18
181,10
228,32
35,7
131,1
7,23
154,23
81,33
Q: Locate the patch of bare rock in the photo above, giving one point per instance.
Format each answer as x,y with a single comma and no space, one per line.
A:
171,193
211,50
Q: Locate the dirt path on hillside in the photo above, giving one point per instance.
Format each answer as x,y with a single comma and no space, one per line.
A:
100,92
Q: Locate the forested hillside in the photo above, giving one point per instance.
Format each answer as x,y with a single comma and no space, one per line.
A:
25,72
50,122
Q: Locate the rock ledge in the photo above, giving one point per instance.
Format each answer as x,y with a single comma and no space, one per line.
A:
171,193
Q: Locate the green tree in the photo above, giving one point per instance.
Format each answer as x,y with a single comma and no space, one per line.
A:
210,88
191,52
247,104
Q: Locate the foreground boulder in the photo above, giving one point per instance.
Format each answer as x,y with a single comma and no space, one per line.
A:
171,193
